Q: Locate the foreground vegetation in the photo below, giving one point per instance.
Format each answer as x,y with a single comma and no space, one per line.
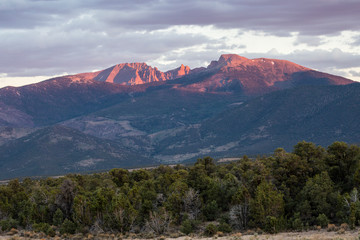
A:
311,187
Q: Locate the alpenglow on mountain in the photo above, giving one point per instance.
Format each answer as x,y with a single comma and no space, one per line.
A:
133,114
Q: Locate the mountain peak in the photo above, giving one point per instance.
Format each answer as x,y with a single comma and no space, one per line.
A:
228,60
232,58
134,74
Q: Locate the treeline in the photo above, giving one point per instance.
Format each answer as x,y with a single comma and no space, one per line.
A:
310,186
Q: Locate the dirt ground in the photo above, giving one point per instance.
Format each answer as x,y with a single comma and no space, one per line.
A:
309,235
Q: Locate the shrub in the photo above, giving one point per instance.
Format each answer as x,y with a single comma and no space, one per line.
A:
322,220
271,224
67,227
210,230
211,210
296,223
186,227
224,227
331,227
58,217
41,227
189,225
344,226
9,223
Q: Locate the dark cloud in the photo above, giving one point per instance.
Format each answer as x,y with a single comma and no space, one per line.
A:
307,16
49,37
55,52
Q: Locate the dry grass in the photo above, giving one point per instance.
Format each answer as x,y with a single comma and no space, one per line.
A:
309,235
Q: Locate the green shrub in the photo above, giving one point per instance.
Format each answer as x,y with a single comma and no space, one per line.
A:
322,220
186,227
296,222
58,217
271,224
67,227
9,223
45,228
224,227
210,230
211,210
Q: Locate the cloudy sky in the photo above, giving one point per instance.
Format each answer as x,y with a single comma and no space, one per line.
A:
44,38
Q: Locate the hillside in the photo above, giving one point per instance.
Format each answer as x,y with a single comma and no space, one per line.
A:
58,150
181,114
283,118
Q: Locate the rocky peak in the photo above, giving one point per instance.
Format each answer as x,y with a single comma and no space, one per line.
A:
228,60
178,72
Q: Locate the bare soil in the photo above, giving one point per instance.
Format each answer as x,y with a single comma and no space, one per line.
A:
308,235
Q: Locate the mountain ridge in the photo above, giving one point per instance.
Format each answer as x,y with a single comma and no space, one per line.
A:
173,116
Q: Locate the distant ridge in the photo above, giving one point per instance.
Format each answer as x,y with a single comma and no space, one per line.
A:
260,75
133,114
134,74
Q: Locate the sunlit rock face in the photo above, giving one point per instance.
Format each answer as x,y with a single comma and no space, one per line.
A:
258,76
134,74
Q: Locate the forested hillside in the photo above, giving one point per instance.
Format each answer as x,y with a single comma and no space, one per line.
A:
310,186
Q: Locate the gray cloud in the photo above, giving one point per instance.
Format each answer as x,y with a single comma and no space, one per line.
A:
307,16
355,73
43,37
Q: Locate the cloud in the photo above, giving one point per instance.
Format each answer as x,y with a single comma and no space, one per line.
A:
307,16
50,37
355,73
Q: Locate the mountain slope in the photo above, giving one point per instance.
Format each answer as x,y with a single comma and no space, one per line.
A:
178,115
55,100
320,114
59,150
258,76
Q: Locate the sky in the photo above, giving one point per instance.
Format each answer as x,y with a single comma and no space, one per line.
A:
40,39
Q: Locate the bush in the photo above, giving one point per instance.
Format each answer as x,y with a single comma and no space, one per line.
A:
272,224
58,217
186,227
210,230
67,227
322,220
296,222
9,223
224,227
189,225
331,227
45,228
211,210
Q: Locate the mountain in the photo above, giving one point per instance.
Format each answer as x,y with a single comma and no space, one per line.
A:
321,114
134,74
66,97
258,76
172,116
55,100
59,150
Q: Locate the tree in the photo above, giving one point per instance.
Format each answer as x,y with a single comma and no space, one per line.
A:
119,176
66,197
159,221
343,161
192,203
317,197
267,202
240,210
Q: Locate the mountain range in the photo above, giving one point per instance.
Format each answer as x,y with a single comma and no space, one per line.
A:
132,114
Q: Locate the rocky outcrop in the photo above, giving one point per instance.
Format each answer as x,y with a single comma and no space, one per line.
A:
134,74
